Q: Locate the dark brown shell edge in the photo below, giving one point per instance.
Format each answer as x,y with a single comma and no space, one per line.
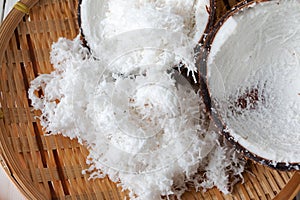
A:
82,37
201,64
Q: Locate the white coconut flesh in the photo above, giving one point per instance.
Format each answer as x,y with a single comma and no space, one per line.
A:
101,20
254,78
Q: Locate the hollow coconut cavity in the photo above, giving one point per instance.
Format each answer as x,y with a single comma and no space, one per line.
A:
253,76
103,20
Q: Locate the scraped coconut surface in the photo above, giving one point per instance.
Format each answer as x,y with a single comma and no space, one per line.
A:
144,124
101,20
254,76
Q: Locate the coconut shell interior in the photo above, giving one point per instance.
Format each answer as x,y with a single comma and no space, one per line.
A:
253,97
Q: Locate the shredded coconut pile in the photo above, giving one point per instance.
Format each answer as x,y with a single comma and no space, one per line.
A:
143,123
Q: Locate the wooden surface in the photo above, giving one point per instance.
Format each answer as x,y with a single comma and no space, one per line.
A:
7,189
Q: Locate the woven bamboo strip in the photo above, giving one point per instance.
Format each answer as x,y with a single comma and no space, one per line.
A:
289,191
256,185
8,26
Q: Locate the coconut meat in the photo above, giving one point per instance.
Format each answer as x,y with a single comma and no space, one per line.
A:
101,20
147,132
253,76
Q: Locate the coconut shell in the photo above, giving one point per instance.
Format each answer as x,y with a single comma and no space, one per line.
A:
202,65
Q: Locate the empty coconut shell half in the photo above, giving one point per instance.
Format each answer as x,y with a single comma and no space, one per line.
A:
250,77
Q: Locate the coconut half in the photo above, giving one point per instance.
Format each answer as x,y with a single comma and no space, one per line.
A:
251,80
101,20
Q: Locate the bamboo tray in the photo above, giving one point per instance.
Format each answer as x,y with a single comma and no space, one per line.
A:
49,167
